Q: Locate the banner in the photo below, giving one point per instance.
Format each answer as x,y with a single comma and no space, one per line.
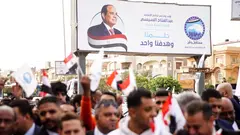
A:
143,28
235,10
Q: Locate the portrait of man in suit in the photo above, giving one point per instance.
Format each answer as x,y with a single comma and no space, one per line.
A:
106,28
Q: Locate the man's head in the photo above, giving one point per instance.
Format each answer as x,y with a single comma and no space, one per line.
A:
67,108
109,15
160,98
106,114
76,102
2,83
228,112
60,91
225,90
7,119
49,112
108,96
186,97
141,107
199,118
214,98
17,91
95,97
24,115
71,125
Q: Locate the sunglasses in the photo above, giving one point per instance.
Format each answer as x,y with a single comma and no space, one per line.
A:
227,113
160,102
217,106
107,103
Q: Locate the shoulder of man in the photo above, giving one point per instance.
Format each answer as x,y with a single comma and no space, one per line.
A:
90,132
115,132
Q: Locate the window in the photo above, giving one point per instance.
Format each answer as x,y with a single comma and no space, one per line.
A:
139,66
178,65
151,67
234,60
126,65
169,65
144,67
219,60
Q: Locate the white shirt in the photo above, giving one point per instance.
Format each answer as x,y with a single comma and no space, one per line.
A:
51,133
97,132
235,126
108,28
31,130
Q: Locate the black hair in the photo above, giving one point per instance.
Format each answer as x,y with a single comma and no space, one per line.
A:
104,9
161,93
59,87
69,116
49,99
23,106
210,93
197,106
105,103
110,94
77,99
134,98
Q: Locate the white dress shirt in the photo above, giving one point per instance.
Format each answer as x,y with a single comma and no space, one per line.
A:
108,28
31,130
97,132
235,126
51,133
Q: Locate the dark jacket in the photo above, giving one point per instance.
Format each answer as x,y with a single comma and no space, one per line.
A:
37,130
236,108
225,125
101,30
43,131
184,132
90,132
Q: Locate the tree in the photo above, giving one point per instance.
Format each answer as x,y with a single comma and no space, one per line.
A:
143,82
164,82
103,85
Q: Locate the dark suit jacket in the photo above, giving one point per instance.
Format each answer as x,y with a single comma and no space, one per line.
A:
225,125
236,108
90,132
43,131
101,30
184,132
37,130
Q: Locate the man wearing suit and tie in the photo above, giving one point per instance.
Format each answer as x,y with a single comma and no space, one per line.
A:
106,28
24,118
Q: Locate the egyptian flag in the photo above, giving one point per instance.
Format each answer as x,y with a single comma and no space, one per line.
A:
129,84
114,80
171,109
113,40
46,86
71,63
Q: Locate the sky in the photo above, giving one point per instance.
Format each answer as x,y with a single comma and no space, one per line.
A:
31,31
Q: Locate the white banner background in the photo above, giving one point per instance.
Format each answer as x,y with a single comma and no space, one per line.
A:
136,30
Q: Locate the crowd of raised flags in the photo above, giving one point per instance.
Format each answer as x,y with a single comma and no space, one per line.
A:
24,77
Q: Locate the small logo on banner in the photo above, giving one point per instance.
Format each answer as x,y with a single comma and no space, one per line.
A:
194,28
27,78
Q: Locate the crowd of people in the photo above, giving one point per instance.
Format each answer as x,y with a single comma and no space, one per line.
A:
215,112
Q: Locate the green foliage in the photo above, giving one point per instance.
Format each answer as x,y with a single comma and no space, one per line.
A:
148,83
103,85
230,79
7,90
209,86
165,82
143,82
